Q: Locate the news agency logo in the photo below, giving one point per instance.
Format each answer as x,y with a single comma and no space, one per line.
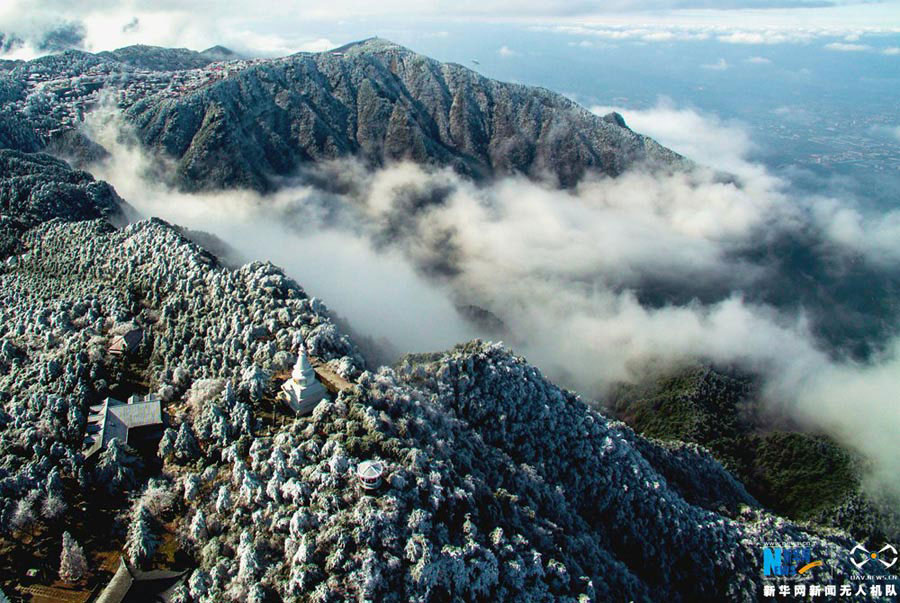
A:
788,562
787,569
886,556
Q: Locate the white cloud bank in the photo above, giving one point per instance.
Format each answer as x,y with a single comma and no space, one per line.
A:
560,269
737,28
844,47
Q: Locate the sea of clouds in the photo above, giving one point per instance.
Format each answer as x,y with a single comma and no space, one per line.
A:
595,285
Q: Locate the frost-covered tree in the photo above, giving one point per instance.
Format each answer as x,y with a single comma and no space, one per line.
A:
191,487
223,499
248,562
72,564
166,447
241,419
254,381
25,514
203,392
180,594
158,497
186,448
198,584
198,529
117,468
54,506
141,540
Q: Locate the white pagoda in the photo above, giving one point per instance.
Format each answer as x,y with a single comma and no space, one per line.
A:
303,391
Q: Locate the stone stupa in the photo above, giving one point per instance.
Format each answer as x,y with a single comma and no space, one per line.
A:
303,391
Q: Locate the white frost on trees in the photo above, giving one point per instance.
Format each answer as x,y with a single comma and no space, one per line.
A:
248,563
167,443
186,449
72,564
116,468
198,529
141,541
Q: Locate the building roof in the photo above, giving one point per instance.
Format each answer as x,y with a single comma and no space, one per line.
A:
138,414
113,419
127,342
130,584
370,469
118,587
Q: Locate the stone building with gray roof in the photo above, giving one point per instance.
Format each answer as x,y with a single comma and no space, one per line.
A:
138,423
126,343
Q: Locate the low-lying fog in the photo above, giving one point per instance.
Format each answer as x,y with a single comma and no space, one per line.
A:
592,285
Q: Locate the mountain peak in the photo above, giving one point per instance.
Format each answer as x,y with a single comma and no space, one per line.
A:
219,52
373,44
382,102
614,117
